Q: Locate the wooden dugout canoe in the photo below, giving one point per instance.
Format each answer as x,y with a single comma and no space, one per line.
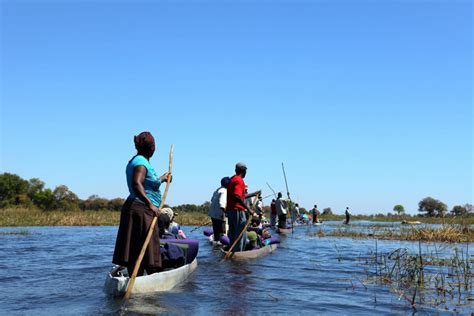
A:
116,284
404,222
251,254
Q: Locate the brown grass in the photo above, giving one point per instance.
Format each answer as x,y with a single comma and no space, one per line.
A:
447,233
14,217
32,217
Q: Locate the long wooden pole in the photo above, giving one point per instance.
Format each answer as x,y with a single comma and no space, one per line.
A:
274,193
131,283
205,224
288,194
229,253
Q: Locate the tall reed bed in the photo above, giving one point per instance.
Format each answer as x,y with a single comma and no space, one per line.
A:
33,217
425,220
13,217
445,233
443,282
193,218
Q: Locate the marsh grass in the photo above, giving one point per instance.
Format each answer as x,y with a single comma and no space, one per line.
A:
32,217
192,218
14,217
17,232
445,233
466,220
428,279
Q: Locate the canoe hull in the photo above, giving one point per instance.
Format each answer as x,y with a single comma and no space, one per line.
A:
252,254
156,282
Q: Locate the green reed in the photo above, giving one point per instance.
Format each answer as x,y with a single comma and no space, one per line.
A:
425,278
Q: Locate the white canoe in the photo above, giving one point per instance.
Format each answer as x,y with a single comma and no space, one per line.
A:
251,254
404,222
156,282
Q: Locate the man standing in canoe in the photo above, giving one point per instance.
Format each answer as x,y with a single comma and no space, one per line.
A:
315,214
236,206
273,213
217,209
348,216
139,209
295,214
281,208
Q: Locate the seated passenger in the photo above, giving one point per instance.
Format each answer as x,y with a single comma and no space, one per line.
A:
168,228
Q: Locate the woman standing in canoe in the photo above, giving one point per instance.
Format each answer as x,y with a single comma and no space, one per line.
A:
139,209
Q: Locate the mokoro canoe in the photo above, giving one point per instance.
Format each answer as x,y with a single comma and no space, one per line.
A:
116,284
404,222
251,254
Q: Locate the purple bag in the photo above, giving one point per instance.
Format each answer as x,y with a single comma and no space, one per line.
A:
208,231
224,240
192,250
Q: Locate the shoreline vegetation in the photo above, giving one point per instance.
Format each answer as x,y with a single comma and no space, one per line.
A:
31,203
452,229
187,215
449,233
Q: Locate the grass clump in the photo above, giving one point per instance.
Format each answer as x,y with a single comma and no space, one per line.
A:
446,233
16,232
446,284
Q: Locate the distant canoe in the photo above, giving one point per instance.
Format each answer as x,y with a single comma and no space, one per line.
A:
411,222
116,285
252,254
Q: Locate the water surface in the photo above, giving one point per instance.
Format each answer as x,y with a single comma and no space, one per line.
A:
61,270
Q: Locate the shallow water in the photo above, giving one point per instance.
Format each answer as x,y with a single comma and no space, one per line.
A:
61,270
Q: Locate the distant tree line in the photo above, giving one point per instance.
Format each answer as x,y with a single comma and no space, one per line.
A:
18,192
431,207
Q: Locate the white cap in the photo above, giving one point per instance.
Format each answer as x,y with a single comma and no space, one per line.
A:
240,165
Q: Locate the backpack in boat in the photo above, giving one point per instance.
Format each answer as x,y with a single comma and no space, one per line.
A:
172,256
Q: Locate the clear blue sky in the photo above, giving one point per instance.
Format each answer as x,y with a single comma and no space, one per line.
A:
368,103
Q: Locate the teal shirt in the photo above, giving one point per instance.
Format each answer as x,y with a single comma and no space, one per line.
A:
152,180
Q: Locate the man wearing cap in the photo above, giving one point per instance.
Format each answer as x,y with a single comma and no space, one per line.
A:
217,209
236,207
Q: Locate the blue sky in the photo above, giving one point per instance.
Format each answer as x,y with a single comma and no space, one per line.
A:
368,103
